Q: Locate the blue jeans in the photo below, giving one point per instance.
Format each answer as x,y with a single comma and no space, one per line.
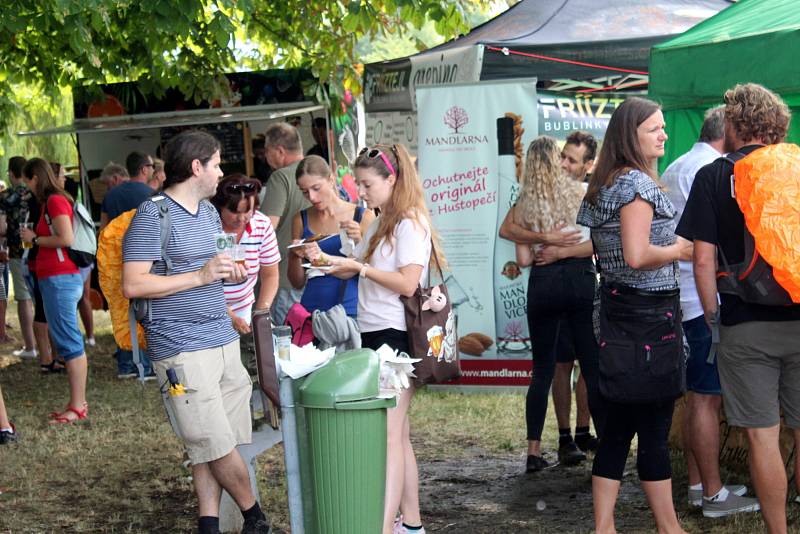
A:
60,296
125,364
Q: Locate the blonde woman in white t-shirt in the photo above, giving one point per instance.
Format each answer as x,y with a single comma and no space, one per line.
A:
392,260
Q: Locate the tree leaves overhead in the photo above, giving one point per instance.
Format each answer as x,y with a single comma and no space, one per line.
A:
187,44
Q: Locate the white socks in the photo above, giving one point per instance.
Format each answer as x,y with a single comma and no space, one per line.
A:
721,495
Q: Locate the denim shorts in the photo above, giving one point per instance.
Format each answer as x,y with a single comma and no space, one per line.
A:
60,295
701,376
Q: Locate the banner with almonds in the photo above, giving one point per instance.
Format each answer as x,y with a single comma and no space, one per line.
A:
469,188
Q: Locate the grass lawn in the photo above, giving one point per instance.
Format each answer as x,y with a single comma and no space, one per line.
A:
121,471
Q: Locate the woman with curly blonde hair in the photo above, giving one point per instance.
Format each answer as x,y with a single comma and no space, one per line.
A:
560,292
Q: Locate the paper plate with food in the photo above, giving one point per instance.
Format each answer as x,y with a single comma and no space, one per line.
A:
316,238
322,263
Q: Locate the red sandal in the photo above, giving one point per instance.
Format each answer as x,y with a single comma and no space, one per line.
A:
64,417
53,415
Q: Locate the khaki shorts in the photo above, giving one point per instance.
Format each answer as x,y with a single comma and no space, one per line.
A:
759,369
213,416
20,286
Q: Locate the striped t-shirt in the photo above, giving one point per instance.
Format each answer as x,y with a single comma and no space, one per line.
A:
262,250
189,320
604,219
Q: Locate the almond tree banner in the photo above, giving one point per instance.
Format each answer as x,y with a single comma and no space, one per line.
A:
469,189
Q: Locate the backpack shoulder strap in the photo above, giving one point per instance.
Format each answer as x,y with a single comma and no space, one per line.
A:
733,157
734,271
166,227
49,222
135,349
358,214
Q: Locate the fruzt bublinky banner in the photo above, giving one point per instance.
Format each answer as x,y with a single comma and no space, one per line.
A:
471,149
562,113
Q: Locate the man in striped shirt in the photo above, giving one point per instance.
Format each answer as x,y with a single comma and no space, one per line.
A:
189,333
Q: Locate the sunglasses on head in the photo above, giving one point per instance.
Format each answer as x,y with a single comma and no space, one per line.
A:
373,153
247,187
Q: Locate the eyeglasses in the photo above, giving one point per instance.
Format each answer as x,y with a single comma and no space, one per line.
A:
373,153
247,187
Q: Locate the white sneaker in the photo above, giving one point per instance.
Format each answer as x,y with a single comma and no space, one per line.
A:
696,496
91,342
123,376
26,354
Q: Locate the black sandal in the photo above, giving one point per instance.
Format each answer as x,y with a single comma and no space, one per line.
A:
54,367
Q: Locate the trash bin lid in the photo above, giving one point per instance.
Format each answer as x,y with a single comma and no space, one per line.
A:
349,376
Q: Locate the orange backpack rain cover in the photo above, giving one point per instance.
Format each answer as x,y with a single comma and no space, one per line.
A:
767,184
109,263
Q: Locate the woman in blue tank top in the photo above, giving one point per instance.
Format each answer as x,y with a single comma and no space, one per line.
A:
326,216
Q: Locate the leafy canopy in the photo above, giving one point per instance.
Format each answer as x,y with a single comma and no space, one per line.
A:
52,44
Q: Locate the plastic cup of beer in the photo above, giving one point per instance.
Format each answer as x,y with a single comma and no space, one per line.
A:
29,226
283,340
223,243
239,254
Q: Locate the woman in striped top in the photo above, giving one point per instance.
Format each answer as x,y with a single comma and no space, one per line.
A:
235,200
641,353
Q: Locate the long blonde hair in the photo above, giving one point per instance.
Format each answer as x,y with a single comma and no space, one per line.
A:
548,195
407,200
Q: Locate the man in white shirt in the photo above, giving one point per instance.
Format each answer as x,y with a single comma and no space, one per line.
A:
704,395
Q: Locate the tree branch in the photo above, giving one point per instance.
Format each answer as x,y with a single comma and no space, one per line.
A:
279,35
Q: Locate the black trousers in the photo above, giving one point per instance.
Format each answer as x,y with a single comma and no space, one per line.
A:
562,291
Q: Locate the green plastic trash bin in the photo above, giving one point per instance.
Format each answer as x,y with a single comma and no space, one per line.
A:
345,449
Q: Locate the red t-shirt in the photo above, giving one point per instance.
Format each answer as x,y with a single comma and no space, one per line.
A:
47,261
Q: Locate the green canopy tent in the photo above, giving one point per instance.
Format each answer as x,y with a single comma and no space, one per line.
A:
752,41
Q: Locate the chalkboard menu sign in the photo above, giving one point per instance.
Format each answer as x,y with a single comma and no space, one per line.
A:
229,134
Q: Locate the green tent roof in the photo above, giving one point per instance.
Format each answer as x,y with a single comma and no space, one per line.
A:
751,41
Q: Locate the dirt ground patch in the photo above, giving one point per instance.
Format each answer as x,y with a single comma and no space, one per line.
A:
482,493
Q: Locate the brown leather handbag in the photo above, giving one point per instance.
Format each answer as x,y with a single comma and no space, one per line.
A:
431,327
